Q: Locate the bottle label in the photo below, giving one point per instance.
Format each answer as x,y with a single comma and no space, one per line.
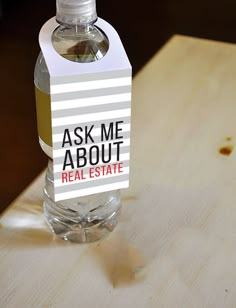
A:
43,107
90,118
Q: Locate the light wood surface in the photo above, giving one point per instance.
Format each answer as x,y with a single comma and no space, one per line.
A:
176,243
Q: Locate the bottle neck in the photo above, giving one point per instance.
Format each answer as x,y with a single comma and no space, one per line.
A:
78,29
82,42
76,23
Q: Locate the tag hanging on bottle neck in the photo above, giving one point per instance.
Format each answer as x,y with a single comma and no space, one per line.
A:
91,110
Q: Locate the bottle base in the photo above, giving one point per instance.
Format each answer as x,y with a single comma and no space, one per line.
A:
82,232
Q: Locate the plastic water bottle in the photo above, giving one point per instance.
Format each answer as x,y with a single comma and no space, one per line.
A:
89,218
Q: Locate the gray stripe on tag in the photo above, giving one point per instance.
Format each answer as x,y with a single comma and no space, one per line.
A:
57,175
97,139
123,150
90,77
90,109
89,93
95,183
97,124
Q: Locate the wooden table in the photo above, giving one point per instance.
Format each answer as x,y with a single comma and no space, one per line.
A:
176,243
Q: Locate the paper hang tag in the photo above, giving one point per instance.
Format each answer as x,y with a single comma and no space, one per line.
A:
91,110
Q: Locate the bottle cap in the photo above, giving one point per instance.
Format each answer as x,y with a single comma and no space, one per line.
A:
76,11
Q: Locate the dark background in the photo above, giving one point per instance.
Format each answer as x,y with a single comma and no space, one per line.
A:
143,26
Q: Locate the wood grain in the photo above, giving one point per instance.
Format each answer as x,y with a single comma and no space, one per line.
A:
175,244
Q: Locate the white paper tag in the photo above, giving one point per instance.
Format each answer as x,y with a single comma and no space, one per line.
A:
91,110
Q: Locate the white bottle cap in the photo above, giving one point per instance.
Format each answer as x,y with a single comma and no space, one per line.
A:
74,12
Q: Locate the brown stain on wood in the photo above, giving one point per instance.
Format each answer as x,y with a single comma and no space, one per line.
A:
122,263
226,150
